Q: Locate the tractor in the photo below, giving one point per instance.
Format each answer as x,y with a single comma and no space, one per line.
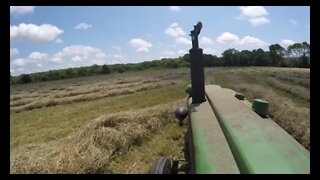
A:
226,134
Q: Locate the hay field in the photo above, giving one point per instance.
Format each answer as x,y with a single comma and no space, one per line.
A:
120,123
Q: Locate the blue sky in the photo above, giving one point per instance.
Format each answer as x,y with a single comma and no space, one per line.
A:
43,38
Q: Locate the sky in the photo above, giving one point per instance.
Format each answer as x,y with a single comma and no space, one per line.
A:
58,37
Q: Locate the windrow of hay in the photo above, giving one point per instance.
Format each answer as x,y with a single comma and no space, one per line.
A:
297,91
296,80
24,96
300,73
271,78
21,102
91,149
59,90
47,102
295,120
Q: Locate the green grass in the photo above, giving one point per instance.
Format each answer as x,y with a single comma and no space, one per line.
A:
221,79
252,76
169,140
50,123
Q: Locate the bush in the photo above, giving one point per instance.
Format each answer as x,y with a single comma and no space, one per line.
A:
121,70
105,69
25,78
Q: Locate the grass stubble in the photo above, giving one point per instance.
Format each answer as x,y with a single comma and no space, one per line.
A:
127,141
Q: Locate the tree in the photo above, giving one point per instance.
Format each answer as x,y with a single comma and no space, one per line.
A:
303,62
11,78
105,69
94,69
44,77
296,50
25,78
306,50
230,57
276,54
186,58
121,69
260,58
70,73
301,52
245,58
54,75
82,71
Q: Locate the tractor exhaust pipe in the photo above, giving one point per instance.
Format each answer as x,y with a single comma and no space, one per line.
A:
197,69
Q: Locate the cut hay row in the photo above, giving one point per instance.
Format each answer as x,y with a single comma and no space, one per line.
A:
296,80
297,91
91,149
21,102
21,99
24,96
83,88
94,89
47,102
295,120
289,72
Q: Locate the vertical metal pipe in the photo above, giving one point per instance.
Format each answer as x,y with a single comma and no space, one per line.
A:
197,70
197,76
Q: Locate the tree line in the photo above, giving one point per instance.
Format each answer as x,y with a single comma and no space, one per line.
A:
295,55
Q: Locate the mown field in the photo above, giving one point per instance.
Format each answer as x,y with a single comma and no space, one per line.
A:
120,123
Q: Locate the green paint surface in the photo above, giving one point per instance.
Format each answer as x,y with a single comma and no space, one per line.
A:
258,145
211,150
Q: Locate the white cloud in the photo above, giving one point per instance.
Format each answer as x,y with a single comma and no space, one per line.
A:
32,32
80,55
20,69
253,11
227,37
80,50
142,50
182,52
117,56
174,30
293,22
100,54
58,41
19,62
286,42
252,41
205,41
19,10
14,52
168,52
37,56
56,60
83,26
99,61
76,58
208,51
70,65
140,45
76,55
256,15
117,48
259,21
174,8
183,41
